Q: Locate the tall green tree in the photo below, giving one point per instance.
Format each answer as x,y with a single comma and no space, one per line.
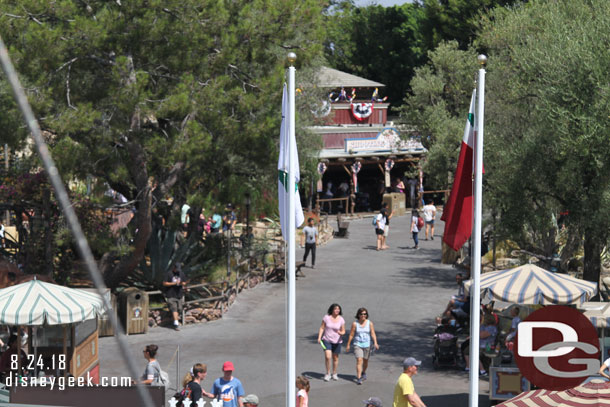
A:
379,43
455,20
159,98
547,146
438,107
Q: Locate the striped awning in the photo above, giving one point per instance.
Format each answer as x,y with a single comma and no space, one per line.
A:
595,393
598,313
36,302
530,284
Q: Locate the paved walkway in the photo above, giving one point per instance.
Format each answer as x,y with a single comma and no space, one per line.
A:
403,290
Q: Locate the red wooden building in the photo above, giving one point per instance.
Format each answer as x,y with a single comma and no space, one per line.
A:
361,146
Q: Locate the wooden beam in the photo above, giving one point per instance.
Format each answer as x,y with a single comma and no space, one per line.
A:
346,170
381,168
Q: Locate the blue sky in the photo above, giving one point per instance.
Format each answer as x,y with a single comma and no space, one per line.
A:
385,3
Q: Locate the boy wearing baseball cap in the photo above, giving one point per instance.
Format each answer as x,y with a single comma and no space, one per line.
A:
228,388
404,391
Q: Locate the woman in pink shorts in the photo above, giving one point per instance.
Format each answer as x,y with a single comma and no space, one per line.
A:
329,336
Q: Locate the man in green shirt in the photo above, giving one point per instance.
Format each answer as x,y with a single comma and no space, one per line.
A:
404,391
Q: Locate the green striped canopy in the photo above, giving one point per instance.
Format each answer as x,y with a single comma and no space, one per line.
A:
36,302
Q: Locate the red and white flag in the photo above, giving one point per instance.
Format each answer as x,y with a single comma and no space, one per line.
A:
457,213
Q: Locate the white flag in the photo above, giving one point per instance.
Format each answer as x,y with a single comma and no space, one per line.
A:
285,162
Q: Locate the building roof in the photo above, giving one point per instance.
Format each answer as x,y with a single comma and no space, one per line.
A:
333,78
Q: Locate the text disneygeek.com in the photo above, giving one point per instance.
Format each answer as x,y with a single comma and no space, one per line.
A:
63,382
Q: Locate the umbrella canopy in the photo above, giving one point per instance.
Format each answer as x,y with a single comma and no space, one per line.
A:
598,313
36,302
595,393
530,284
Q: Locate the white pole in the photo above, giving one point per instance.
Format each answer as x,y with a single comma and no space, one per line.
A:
475,289
290,258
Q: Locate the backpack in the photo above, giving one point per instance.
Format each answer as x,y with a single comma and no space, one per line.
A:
183,395
420,222
375,220
162,379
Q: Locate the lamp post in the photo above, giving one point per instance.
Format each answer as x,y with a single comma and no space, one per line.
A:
248,221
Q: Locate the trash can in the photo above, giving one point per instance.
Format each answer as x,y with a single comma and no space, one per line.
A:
396,202
133,310
104,327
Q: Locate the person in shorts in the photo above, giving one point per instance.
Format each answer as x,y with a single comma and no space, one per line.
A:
429,216
362,332
380,220
386,231
175,283
330,337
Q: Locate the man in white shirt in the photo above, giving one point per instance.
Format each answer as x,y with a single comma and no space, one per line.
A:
429,216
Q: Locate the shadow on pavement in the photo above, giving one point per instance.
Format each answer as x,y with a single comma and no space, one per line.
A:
434,277
313,375
453,400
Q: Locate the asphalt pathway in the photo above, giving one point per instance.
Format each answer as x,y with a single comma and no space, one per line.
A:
402,288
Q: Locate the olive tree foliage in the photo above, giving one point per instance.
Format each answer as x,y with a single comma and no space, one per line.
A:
159,98
547,119
438,108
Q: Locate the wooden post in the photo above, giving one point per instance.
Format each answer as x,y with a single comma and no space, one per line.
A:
18,352
65,349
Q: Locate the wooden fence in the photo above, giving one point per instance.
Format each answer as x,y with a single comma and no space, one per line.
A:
268,265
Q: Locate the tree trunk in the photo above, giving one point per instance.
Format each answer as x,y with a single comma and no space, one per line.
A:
48,231
592,262
139,173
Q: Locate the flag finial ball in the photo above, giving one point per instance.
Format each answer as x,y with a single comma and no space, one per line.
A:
482,59
292,57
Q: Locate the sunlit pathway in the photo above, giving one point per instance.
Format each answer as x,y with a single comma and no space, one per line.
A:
403,290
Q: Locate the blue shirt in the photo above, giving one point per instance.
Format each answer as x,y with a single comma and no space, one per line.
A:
228,391
493,331
362,338
217,221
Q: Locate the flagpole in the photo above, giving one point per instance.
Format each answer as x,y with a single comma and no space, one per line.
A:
475,291
290,258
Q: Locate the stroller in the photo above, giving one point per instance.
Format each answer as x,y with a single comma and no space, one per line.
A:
445,347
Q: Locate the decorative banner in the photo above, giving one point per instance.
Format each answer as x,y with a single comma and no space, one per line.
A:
356,167
389,164
362,111
321,170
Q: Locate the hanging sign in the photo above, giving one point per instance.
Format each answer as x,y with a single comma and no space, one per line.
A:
362,111
389,164
321,171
